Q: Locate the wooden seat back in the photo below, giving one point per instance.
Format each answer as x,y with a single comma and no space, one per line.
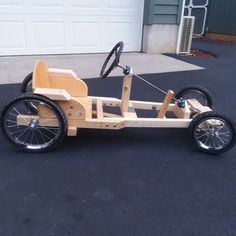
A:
40,75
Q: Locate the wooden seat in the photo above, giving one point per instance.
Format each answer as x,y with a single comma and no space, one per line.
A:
58,79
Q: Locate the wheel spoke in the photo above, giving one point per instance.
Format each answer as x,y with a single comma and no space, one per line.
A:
26,135
221,140
206,141
11,126
225,133
43,134
32,136
41,127
203,135
17,131
12,121
22,133
12,114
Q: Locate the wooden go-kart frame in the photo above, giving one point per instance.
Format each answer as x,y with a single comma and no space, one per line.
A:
69,95
77,106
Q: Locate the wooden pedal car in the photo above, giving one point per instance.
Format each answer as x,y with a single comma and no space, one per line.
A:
59,105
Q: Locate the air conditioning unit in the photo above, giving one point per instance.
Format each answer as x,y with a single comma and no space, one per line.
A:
185,35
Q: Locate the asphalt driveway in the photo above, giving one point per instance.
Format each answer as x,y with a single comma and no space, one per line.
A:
128,182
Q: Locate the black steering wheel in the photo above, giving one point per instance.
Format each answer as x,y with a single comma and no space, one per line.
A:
116,51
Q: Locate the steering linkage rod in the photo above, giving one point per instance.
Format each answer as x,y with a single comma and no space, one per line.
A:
128,70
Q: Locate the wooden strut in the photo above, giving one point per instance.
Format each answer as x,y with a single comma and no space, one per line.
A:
99,109
125,97
165,104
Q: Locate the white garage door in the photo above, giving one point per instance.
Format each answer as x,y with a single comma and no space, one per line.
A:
69,26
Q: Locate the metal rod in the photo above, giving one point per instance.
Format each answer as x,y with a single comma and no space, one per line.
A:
147,82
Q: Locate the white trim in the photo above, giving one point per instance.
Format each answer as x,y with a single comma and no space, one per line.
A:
180,28
205,7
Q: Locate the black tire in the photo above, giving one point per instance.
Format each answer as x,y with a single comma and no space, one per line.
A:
196,92
32,135
26,85
212,133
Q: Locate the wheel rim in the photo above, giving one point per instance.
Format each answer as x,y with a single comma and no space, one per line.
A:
31,132
195,94
213,133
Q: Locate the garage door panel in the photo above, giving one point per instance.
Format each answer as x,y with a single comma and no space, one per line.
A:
126,29
120,31
48,34
12,34
86,34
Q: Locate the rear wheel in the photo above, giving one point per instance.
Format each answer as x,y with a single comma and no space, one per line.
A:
29,130
212,133
26,85
199,93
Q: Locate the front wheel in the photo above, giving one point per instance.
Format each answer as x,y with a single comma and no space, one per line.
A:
37,130
212,133
199,93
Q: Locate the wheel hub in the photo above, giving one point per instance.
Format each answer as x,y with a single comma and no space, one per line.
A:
33,123
212,132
